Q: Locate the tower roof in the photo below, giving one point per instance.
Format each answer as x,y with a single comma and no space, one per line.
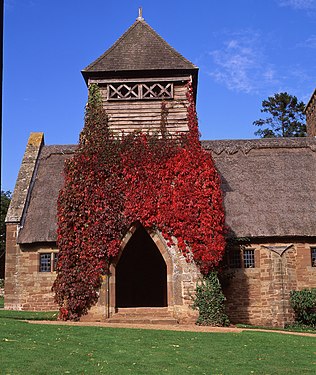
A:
140,48
310,100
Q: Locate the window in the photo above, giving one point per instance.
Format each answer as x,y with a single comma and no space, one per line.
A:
313,256
242,258
249,258
235,259
48,262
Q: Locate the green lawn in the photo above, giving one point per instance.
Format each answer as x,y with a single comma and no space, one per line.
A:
290,328
51,349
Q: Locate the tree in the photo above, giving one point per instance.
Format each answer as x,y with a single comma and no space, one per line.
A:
5,201
287,117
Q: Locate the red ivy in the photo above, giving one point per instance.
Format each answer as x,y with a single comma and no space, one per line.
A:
167,183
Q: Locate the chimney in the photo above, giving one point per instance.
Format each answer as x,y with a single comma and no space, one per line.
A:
310,112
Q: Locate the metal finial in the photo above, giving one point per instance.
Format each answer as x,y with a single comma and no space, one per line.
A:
140,14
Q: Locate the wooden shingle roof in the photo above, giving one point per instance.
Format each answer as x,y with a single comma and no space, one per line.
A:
140,48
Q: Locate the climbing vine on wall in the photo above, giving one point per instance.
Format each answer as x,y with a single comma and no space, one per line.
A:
168,183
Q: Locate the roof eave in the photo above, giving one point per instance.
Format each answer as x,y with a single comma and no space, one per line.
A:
153,73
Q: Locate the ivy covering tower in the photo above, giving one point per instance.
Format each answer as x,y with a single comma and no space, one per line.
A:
165,182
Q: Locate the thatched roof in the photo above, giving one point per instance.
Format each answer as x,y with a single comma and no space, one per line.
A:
269,185
139,49
269,188
39,221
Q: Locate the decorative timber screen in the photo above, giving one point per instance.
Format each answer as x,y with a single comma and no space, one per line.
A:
136,91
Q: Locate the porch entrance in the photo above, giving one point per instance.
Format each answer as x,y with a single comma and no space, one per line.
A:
141,273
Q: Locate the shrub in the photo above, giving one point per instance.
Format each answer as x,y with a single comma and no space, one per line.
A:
303,303
209,301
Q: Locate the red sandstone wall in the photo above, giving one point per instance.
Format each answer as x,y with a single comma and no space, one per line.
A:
25,287
306,274
260,295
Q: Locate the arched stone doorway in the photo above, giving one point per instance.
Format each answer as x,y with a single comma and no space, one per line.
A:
141,273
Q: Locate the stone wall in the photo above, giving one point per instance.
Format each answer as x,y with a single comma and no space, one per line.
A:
260,295
28,289
25,287
181,281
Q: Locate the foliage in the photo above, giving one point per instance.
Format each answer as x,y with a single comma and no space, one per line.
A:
167,183
297,327
5,201
287,117
209,300
303,303
71,349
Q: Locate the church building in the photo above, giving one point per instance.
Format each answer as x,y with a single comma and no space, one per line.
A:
269,189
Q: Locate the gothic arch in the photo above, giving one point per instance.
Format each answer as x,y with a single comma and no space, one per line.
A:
120,263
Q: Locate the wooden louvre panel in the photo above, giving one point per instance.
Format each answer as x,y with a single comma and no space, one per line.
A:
139,91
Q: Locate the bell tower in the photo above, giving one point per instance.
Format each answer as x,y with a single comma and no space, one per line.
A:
143,78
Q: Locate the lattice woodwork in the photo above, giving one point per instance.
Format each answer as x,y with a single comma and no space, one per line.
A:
134,91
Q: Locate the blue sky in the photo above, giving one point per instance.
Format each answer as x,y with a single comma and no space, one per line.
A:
246,50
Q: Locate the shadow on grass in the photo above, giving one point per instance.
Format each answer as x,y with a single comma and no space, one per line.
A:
28,315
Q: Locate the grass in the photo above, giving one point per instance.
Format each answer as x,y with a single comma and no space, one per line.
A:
27,315
54,349
290,328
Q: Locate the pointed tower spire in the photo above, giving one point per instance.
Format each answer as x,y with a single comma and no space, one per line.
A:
140,14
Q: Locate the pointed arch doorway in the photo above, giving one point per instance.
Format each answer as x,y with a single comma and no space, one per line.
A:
141,273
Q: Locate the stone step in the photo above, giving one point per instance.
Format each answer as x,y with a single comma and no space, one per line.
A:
143,315
144,320
143,311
